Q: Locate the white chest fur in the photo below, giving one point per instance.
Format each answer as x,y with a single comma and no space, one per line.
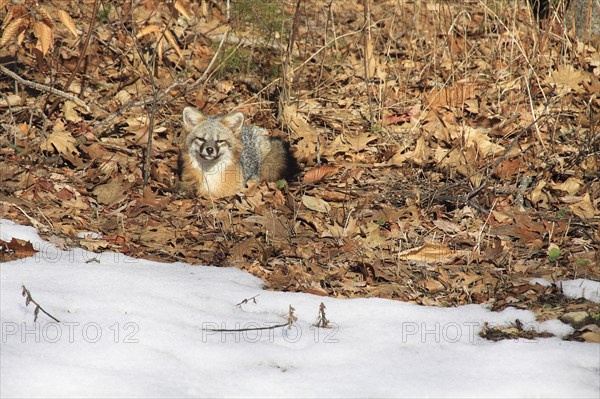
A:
215,174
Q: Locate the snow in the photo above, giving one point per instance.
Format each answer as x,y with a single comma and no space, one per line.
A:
579,288
134,328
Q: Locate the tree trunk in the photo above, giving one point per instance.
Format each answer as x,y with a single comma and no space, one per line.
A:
584,16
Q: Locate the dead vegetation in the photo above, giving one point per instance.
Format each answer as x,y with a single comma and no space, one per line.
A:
450,149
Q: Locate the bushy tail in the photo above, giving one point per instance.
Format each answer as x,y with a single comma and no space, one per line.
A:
279,162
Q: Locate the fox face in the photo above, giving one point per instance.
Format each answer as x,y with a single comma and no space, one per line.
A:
212,141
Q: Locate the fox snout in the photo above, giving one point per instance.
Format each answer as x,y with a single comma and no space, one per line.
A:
209,151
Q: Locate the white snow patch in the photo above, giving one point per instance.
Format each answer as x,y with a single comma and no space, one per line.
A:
582,288
134,328
579,288
556,327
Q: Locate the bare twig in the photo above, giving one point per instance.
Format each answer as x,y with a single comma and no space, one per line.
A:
244,329
291,320
161,97
82,54
38,308
287,73
245,301
368,54
322,321
44,88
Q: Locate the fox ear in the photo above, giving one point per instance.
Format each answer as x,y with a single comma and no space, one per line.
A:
233,121
192,117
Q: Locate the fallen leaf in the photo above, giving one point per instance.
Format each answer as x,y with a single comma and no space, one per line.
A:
319,173
112,192
584,208
429,253
21,248
315,204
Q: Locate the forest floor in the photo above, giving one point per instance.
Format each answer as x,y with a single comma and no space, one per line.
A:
449,150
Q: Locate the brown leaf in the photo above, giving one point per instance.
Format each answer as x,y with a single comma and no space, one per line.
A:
12,30
21,248
68,22
183,6
585,208
173,43
360,142
429,253
146,30
297,123
450,96
61,141
112,192
567,78
433,285
46,17
319,173
70,112
43,33
315,204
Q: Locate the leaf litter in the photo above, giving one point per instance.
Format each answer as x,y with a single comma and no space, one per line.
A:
450,176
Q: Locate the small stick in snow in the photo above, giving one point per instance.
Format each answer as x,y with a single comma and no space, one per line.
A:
322,321
245,301
38,308
291,319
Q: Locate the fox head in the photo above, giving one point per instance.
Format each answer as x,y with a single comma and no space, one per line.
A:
212,140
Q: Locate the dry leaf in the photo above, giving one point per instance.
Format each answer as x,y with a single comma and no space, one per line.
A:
432,285
315,204
146,30
571,185
584,208
173,43
61,141
68,22
360,142
183,6
12,30
567,78
44,34
429,253
319,173
478,138
70,113
11,100
21,248
112,192
46,17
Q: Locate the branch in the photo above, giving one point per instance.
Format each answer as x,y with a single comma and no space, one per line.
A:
160,98
86,43
38,308
44,88
244,329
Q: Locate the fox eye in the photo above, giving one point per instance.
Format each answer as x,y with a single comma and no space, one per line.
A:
199,140
221,142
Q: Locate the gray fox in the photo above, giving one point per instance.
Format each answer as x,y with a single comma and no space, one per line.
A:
220,154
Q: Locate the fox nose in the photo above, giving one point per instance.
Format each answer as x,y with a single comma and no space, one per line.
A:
209,151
